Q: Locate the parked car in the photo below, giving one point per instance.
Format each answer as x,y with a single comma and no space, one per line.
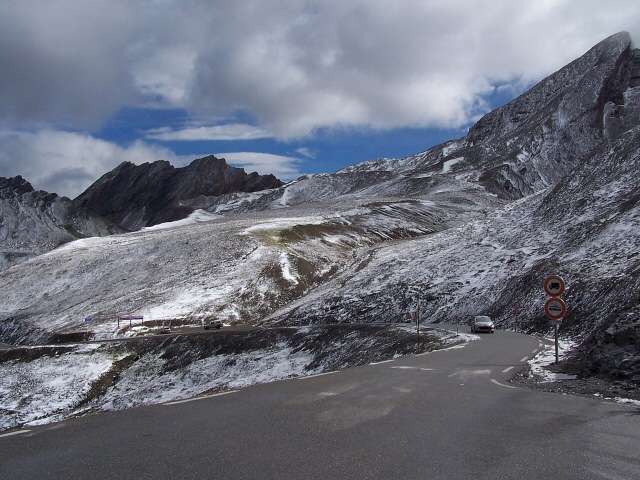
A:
482,323
165,329
217,324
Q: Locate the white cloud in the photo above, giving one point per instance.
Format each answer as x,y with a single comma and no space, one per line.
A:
233,131
390,64
64,61
283,167
307,152
67,163
296,66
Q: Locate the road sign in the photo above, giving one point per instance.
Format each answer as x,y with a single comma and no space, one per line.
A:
554,286
517,308
555,308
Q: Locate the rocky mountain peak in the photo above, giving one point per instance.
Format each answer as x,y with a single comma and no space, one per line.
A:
135,196
15,185
535,140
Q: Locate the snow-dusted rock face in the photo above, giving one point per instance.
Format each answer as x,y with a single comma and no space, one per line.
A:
34,222
535,140
136,196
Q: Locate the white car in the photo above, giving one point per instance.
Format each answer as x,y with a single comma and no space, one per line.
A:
216,324
482,323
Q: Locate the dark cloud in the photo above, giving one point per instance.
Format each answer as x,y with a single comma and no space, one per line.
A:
64,62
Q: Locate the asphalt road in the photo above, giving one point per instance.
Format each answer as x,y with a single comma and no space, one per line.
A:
443,415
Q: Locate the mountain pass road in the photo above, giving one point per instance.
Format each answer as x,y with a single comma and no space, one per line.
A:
450,414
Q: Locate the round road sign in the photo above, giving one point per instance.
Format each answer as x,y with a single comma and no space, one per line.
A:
554,286
555,308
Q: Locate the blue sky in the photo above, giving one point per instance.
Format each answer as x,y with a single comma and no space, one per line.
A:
284,87
327,150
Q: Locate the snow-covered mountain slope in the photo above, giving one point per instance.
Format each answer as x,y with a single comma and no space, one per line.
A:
238,269
535,140
586,228
545,185
34,222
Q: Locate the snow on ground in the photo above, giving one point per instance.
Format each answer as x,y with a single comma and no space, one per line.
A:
547,357
240,269
51,389
446,166
627,401
48,388
146,383
196,217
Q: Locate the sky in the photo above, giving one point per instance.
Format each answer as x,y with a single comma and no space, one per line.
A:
288,87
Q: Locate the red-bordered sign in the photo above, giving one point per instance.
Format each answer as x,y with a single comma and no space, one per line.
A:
517,309
554,286
555,308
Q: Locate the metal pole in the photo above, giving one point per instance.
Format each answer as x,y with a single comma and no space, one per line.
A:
556,335
418,328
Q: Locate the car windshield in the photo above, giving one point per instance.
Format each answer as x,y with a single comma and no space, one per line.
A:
483,320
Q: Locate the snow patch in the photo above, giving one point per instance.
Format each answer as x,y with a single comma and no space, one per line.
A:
287,269
40,391
145,383
446,166
198,216
547,357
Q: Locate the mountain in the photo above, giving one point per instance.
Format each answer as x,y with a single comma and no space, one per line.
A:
526,146
34,222
136,196
547,184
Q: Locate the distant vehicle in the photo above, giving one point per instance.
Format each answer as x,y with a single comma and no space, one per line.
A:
482,323
165,329
217,324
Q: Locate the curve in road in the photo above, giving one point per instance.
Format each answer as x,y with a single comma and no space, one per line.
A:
442,415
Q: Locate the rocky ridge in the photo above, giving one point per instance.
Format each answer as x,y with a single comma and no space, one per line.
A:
136,196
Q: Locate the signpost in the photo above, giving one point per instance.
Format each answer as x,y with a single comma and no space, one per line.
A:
418,327
555,308
415,316
517,310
